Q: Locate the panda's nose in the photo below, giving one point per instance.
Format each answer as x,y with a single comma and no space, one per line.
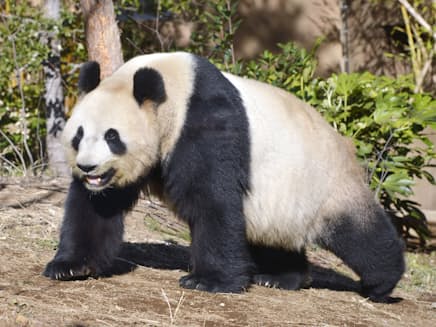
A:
86,168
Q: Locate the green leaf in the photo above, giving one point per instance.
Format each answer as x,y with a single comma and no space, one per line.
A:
399,183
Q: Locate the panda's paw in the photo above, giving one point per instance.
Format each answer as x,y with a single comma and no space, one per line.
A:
265,280
379,294
67,270
195,282
287,281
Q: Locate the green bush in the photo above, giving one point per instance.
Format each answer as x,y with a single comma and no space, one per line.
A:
21,120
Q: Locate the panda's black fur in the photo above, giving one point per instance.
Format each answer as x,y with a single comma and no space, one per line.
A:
204,171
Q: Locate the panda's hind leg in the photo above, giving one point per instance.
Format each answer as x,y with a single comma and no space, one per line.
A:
280,268
366,240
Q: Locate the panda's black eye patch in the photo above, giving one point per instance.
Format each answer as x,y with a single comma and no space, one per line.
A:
77,138
112,138
111,135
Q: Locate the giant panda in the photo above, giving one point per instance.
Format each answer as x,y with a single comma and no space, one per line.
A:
255,173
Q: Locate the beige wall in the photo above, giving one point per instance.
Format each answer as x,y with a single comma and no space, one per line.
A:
425,193
268,22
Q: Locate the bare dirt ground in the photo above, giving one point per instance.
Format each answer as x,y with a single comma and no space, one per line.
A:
144,289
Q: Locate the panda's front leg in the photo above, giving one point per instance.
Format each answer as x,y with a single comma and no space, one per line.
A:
220,257
91,235
206,179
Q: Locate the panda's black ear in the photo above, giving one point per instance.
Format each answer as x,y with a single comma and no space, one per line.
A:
148,84
89,76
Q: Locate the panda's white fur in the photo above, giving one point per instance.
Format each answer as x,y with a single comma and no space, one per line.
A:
296,184
303,183
304,174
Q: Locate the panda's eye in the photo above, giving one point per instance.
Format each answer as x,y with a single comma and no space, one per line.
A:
114,142
77,138
111,135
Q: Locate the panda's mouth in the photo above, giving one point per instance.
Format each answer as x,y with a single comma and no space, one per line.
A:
99,181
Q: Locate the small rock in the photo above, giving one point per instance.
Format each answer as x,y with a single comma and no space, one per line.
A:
21,320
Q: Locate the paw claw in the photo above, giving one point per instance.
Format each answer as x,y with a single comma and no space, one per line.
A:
66,270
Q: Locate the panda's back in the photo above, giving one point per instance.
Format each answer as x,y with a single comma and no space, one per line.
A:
301,169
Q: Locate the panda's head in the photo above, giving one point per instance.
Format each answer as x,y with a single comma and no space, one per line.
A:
112,139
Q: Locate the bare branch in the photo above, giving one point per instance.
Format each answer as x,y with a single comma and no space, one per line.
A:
344,37
9,163
15,149
418,17
380,158
231,32
424,71
157,27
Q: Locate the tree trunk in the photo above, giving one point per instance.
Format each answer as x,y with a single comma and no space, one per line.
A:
102,35
54,96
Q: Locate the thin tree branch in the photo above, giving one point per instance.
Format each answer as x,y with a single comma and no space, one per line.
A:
380,158
231,32
345,36
411,42
156,27
15,149
418,17
424,71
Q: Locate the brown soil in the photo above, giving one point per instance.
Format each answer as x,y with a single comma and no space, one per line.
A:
144,290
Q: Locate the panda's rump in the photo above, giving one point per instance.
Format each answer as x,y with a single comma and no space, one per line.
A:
298,166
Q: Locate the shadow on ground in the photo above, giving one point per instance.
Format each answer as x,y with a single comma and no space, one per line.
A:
176,257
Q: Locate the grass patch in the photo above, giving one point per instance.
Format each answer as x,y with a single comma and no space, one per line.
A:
47,244
180,233
421,272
